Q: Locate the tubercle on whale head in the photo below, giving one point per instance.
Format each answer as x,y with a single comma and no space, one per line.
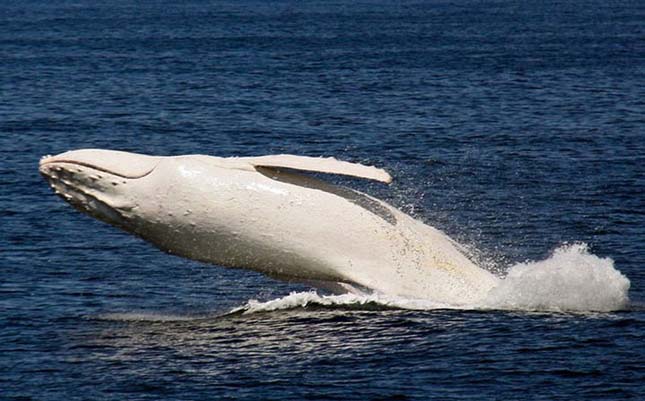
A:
97,182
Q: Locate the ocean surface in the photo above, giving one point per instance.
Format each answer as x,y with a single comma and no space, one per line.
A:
516,127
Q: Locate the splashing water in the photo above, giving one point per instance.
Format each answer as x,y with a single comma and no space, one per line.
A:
358,301
570,280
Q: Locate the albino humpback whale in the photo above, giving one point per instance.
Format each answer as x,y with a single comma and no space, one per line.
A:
262,214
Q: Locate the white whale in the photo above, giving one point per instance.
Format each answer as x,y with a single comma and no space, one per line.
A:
261,213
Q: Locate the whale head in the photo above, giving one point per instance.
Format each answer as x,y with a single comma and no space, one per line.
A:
99,182
145,195
165,200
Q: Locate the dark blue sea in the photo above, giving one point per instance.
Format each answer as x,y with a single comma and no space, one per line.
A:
516,127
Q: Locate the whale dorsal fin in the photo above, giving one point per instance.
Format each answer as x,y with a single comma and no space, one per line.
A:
320,164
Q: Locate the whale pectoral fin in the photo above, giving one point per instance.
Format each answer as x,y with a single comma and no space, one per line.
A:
320,164
368,203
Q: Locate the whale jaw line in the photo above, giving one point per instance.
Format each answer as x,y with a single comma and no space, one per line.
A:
90,189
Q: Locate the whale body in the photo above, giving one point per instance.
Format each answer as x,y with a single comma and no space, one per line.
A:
264,214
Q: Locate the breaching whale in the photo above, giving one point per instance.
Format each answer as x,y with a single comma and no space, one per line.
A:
264,214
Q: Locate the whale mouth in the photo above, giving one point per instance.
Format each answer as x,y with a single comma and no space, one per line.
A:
96,182
87,200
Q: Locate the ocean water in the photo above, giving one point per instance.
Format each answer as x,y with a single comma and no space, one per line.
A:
516,127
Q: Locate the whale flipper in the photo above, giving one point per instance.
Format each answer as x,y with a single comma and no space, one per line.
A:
319,164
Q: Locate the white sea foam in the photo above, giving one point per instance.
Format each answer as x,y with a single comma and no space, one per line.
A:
312,299
570,280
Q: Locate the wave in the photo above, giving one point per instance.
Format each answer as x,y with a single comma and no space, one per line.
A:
570,280
311,299
144,317
159,316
